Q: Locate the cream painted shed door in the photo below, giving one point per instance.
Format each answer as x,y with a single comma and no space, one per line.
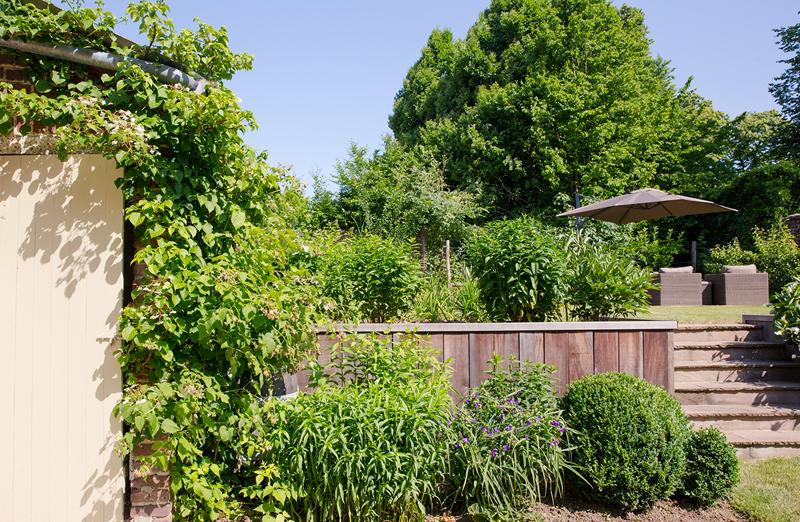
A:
60,297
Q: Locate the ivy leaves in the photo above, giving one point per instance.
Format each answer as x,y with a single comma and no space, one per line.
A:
225,301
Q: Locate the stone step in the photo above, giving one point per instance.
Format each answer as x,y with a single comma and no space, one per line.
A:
760,444
717,332
737,371
775,393
731,417
729,351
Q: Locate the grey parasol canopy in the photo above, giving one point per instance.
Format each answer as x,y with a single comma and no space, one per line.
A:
644,204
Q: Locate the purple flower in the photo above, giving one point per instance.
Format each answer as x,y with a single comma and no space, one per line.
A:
555,423
494,453
553,443
485,429
510,428
506,447
527,423
465,440
458,446
562,430
538,418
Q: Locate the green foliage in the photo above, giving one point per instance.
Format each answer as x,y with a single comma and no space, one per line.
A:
546,97
602,283
399,192
519,267
631,442
509,440
437,302
369,443
786,309
369,277
775,253
786,87
226,301
712,468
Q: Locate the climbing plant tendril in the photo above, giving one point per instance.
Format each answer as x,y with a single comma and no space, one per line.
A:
225,303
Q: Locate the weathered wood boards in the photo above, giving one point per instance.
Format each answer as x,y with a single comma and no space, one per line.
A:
640,348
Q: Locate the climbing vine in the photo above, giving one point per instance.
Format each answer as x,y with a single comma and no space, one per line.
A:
226,302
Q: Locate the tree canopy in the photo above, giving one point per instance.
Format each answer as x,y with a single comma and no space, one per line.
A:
547,97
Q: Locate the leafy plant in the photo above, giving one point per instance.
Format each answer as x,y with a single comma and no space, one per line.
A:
225,300
712,468
631,441
775,253
603,284
369,277
460,301
519,267
368,443
786,309
509,441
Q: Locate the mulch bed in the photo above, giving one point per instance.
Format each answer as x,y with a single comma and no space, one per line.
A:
577,510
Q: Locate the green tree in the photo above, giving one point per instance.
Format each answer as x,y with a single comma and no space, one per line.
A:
753,138
786,87
400,193
545,97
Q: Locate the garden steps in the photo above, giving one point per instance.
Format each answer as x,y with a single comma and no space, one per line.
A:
728,376
717,332
764,444
737,371
742,393
734,417
729,351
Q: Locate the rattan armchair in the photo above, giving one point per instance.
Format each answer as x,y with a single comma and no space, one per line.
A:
682,288
739,289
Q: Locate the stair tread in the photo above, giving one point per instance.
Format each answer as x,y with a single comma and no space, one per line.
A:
763,438
701,386
712,345
703,327
698,411
753,363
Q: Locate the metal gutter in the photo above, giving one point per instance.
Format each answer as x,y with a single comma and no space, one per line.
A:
107,61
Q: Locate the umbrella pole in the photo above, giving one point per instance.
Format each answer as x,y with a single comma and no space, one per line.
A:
578,220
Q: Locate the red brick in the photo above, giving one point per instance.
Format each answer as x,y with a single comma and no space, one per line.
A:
15,75
151,511
6,59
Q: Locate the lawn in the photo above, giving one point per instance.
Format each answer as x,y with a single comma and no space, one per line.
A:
769,490
702,314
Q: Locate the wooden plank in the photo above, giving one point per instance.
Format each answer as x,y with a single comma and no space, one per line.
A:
606,352
456,349
531,346
481,348
581,358
631,358
556,353
436,341
657,359
506,345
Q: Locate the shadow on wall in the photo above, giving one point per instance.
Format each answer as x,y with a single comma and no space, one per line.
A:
69,219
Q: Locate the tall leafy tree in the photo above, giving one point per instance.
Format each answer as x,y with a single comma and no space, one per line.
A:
547,97
786,87
399,192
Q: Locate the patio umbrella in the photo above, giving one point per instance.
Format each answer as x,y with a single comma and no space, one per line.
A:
644,204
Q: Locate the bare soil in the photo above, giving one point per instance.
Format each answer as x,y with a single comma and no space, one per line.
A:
577,510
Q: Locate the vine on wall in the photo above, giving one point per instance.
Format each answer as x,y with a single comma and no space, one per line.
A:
226,302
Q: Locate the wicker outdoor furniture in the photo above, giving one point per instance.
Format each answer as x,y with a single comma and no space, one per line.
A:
739,287
677,287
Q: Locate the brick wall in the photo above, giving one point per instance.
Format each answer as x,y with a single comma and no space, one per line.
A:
149,497
13,72
793,222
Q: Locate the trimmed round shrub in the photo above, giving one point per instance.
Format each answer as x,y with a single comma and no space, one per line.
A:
630,442
712,469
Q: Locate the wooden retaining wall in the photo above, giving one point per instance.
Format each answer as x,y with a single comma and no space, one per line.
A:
640,348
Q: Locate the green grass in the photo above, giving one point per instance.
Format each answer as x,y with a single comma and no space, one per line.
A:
702,314
769,490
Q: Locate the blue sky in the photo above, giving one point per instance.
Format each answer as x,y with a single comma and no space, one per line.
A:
326,72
